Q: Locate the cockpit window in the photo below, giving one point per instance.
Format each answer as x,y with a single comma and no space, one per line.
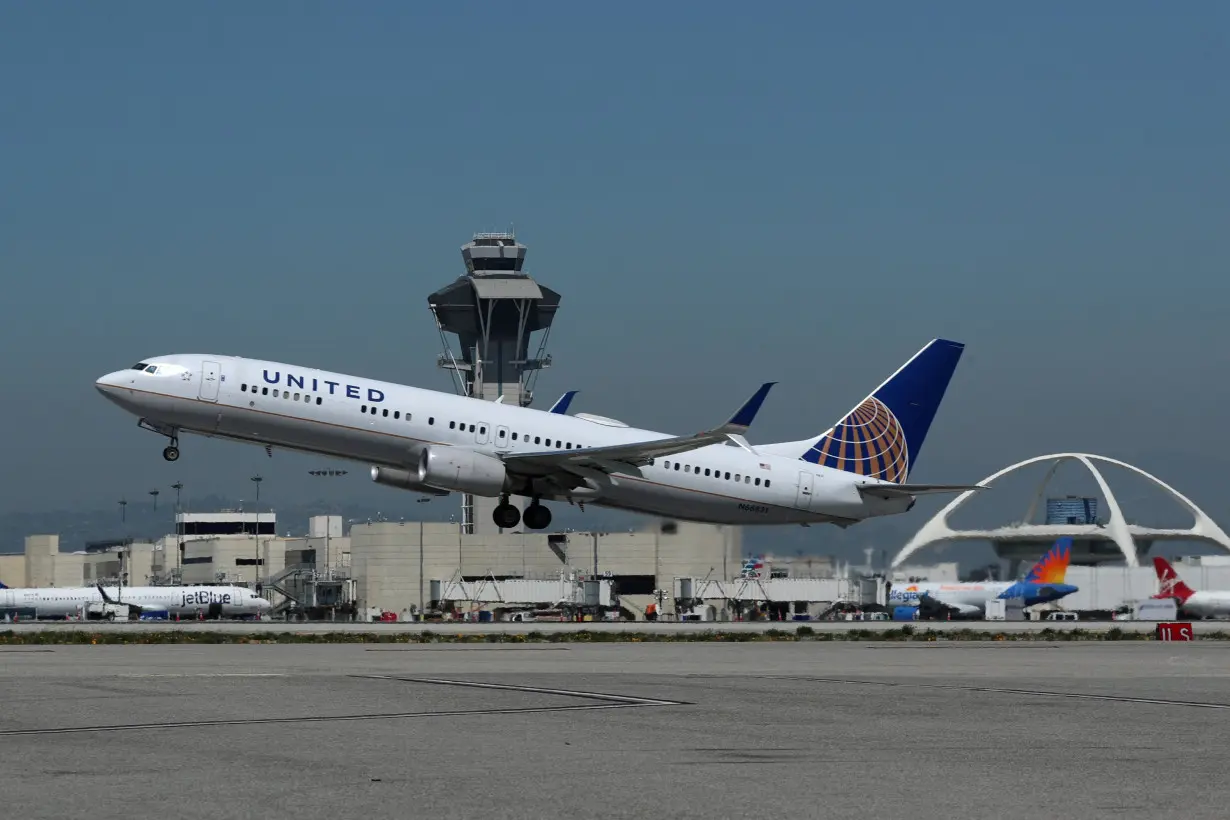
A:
140,366
151,369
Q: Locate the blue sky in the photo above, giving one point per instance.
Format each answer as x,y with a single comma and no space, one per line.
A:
723,193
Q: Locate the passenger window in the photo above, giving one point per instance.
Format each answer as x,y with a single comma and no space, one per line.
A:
514,436
296,397
676,466
728,476
452,424
706,471
265,391
363,409
307,399
538,439
471,428
396,414
767,482
386,412
503,433
243,388
482,430
318,399
407,417
747,479
737,476
558,444
758,482
568,445
431,419
275,392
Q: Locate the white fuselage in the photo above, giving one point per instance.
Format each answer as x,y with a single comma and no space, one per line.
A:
332,414
228,601
969,594
1208,604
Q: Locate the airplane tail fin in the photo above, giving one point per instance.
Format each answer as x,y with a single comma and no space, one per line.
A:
1052,568
1170,584
3,585
882,436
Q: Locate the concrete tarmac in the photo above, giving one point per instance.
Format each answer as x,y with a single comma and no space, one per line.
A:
617,627
939,730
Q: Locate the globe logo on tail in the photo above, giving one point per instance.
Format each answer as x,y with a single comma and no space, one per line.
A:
869,441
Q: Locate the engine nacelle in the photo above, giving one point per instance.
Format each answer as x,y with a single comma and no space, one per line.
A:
402,480
462,470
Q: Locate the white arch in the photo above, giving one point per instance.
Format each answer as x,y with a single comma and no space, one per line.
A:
1116,529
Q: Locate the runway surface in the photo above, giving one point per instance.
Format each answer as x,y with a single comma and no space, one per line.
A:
620,627
947,730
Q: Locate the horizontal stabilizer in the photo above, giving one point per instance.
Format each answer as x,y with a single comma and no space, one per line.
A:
903,490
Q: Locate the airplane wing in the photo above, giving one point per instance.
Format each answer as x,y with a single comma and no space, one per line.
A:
636,454
903,490
938,600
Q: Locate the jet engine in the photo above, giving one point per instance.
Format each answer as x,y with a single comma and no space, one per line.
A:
403,480
462,470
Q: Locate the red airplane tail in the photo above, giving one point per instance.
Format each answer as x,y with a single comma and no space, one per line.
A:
1171,585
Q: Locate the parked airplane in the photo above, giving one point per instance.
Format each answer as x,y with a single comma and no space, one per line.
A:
1203,604
436,443
212,601
1044,583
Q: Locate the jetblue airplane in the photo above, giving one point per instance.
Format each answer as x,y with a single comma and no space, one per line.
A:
437,443
1044,583
213,601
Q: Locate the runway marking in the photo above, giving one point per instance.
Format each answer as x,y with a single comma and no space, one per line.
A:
623,700
464,648
198,675
606,701
1010,691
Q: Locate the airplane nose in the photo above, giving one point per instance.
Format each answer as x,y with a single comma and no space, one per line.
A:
108,382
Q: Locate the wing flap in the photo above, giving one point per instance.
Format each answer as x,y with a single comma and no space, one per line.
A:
618,457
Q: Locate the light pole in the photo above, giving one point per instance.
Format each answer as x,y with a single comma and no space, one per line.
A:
123,510
154,493
178,486
256,567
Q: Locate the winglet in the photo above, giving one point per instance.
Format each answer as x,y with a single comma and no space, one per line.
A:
561,404
742,419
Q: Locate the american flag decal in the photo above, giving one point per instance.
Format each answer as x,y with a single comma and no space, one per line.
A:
764,466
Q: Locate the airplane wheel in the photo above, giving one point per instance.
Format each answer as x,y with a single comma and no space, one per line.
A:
537,517
171,454
506,516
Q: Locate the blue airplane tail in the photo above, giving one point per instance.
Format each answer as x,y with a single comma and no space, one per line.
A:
3,585
882,436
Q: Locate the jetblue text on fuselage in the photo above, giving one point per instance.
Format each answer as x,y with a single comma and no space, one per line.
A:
350,391
206,596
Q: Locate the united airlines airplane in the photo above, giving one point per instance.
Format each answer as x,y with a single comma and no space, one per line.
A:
438,443
212,601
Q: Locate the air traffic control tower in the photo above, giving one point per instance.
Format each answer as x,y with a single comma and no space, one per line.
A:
493,310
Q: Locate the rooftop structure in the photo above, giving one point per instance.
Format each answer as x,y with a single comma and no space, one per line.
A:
1094,541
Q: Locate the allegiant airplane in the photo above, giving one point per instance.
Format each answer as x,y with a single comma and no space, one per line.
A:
1044,583
438,443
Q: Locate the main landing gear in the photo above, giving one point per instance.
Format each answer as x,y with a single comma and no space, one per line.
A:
171,453
506,516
